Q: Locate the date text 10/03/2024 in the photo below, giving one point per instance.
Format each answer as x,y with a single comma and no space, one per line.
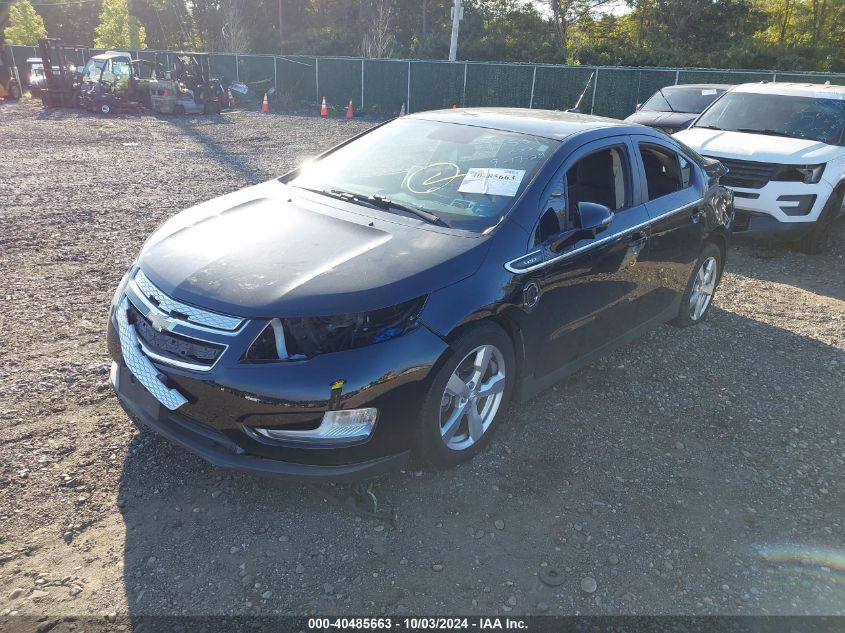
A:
419,624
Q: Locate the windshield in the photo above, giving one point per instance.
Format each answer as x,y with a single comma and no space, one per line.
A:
92,69
682,99
467,176
811,118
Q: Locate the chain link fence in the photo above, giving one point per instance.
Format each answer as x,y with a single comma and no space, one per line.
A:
382,86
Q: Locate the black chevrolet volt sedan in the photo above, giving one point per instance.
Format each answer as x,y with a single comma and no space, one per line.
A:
394,294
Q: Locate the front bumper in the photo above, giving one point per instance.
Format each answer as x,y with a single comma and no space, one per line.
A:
776,198
219,450
223,403
764,226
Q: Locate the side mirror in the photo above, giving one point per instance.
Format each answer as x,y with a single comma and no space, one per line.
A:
594,218
639,105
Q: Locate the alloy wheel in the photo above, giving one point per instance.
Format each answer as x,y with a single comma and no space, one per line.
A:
703,288
472,397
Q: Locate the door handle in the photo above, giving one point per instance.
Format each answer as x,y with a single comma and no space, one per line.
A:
638,238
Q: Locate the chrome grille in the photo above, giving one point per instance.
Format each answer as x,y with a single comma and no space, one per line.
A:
746,173
140,365
189,313
173,348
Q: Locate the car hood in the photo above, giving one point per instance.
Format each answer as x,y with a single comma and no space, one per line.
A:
675,120
272,250
758,147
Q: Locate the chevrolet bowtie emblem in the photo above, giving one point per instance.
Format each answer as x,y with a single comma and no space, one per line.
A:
160,322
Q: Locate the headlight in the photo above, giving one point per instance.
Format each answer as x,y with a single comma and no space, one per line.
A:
809,174
305,337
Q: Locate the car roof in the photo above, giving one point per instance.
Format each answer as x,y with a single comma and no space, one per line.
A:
700,86
552,124
110,55
824,91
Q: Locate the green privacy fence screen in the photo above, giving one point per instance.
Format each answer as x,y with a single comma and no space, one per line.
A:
382,86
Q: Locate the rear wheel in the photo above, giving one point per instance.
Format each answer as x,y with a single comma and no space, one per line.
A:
467,396
814,242
179,109
698,297
14,92
105,108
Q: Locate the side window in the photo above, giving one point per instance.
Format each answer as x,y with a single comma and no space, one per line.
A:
663,171
686,171
553,219
600,177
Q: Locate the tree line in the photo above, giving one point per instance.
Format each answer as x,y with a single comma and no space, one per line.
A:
771,34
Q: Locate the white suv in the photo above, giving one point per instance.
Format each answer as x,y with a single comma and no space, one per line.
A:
784,144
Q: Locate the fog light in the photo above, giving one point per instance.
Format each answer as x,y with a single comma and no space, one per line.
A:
336,427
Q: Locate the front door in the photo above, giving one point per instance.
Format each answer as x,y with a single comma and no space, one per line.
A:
590,291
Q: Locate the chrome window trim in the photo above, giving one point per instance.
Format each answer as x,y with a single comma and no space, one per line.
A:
581,249
196,316
164,360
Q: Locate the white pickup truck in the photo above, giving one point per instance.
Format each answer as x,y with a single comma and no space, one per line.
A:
784,144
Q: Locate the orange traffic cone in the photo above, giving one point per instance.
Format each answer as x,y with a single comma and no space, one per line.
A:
402,110
265,106
349,112
324,109
231,98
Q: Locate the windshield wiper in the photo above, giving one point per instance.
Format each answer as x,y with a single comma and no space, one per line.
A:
666,99
710,127
378,202
749,130
387,203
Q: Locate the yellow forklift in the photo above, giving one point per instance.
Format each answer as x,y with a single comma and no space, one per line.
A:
10,81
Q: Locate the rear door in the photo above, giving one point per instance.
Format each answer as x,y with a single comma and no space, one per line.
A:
675,203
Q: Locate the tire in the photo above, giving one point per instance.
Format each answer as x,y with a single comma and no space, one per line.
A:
104,108
708,272
814,242
484,341
14,93
179,110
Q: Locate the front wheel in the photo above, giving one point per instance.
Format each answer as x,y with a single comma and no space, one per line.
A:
466,397
698,297
814,242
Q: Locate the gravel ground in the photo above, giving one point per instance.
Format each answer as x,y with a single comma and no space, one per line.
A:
695,471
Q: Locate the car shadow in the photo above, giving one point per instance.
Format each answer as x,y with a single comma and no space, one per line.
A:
782,263
651,449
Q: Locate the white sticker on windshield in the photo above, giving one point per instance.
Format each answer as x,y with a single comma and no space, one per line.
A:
709,91
492,181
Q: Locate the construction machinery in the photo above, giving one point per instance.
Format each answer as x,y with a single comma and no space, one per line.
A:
188,87
10,81
59,88
109,84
